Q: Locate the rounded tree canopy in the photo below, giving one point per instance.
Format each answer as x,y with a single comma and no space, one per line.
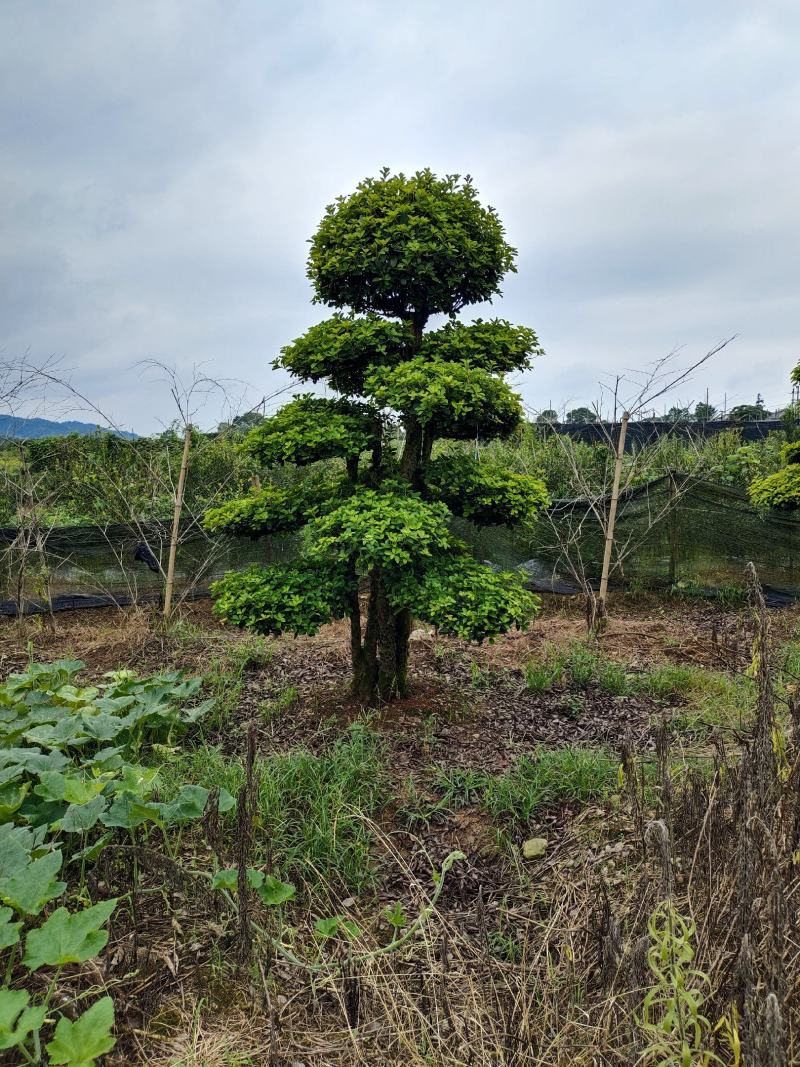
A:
341,348
409,247
452,399
496,346
310,428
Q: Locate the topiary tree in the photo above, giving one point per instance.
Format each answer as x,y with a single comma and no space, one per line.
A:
748,413
582,416
376,516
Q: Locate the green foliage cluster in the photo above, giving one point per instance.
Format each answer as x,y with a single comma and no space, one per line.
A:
101,478
400,244
721,459
311,428
484,492
67,784
495,345
340,348
463,598
275,509
780,489
294,598
393,531
454,400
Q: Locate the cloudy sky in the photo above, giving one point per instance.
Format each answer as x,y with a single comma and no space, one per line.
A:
164,163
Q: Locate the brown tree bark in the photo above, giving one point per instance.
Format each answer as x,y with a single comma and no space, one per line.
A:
380,660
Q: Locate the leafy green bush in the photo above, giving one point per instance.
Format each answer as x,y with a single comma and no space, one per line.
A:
778,490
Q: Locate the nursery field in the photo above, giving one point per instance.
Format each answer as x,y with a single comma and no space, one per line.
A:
554,850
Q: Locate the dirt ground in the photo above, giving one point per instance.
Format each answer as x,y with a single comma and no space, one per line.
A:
469,707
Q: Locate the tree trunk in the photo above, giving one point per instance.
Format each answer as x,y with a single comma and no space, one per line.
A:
380,661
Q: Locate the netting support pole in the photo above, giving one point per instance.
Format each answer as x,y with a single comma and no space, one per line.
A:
612,517
176,522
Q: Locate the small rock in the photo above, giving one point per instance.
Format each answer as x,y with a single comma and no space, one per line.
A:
349,902
534,847
420,635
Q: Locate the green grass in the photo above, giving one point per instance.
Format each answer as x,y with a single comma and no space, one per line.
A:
543,675
547,778
459,786
578,664
273,708
415,809
708,698
313,810
226,676
668,682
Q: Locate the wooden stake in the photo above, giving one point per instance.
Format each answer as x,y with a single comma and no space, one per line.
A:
612,516
176,521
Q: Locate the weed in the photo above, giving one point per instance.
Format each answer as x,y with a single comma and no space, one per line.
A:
579,665
273,708
541,677
550,777
668,682
709,698
481,678
460,786
416,810
672,1011
226,675
313,811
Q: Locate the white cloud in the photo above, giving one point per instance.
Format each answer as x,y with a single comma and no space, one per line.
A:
165,163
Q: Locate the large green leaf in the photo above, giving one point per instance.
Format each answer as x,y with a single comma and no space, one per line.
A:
68,938
16,845
127,812
9,932
103,727
190,803
135,780
29,889
72,788
79,818
17,1019
11,797
69,731
81,1043
34,760
274,891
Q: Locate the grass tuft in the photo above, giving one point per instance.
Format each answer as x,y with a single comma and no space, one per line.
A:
549,777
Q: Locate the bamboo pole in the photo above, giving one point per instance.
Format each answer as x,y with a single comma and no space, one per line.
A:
612,516
176,521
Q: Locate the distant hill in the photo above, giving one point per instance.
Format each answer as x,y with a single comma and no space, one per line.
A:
11,426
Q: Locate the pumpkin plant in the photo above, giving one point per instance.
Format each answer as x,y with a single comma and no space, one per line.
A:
392,256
